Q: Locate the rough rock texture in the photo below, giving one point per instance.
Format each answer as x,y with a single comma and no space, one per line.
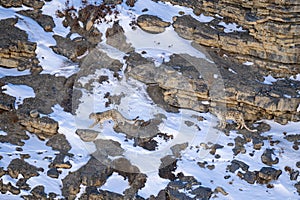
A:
115,37
15,49
43,125
267,159
187,183
18,166
152,24
263,176
179,79
45,21
4,188
71,49
271,37
36,4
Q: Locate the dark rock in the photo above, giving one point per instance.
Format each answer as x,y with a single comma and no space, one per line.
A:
11,3
101,194
202,164
297,186
156,94
2,171
60,143
108,148
239,145
45,21
112,1
298,164
71,49
59,162
94,173
115,37
15,49
294,175
266,174
152,24
39,192
18,166
267,159
87,135
167,166
202,193
21,183
7,102
236,164
13,189
292,138
49,91
36,4
53,173
15,133
130,2
250,177
257,144
256,24
176,195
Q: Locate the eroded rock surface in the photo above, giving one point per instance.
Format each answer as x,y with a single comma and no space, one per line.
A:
270,35
15,49
152,24
45,21
242,90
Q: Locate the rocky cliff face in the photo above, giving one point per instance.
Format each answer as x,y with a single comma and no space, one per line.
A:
15,49
270,36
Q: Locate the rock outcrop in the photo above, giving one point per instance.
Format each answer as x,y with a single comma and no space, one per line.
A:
270,35
179,79
152,24
36,4
15,49
44,21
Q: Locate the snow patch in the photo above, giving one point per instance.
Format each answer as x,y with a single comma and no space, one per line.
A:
269,80
20,92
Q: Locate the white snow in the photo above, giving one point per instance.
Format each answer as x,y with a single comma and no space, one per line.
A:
20,92
136,102
115,183
269,80
248,63
295,77
231,27
12,72
232,71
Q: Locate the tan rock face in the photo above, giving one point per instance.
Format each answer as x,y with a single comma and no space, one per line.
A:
43,125
242,92
271,36
15,49
152,24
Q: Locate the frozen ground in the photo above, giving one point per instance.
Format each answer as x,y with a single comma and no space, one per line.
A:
136,102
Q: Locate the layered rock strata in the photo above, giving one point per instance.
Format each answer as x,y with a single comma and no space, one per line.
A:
270,34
